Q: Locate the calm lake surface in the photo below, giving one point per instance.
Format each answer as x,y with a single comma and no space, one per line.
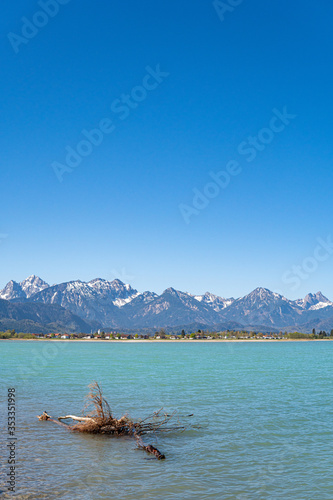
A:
262,424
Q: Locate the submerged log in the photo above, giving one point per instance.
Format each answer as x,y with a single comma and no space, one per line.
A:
154,451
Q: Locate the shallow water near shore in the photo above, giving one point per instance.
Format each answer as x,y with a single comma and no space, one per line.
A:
261,427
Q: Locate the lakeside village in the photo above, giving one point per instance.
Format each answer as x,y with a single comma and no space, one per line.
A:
162,335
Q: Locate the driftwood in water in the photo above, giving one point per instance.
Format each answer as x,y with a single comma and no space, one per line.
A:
45,416
79,419
100,420
154,451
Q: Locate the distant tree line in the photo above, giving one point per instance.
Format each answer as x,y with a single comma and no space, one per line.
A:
11,334
161,334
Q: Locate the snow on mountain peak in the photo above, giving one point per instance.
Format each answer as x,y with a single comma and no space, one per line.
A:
23,290
33,284
114,302
217,303
313,301
11,291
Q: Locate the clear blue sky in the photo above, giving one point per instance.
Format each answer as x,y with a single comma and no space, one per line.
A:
118,212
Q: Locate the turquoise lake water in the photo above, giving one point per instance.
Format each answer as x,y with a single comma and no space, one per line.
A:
262,424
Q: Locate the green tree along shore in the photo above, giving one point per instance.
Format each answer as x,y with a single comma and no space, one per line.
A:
162,335
11,334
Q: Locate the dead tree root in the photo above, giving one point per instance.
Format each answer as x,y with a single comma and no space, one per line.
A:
100,420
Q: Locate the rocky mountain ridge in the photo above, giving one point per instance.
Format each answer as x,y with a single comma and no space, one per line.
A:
114,304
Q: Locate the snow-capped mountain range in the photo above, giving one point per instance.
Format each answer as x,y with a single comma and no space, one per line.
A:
23,290
114,304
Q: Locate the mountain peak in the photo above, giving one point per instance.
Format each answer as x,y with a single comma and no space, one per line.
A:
116,284
314,301
33,284
261,293
31,279
171,290
117,280
319,296
216,302
261,289
12,290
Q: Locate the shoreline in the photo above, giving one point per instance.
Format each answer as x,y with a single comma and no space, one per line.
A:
194,341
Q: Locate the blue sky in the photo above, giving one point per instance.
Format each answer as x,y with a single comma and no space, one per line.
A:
117,214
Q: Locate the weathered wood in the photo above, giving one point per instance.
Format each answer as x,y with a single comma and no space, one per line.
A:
79,419
101,421
154,451
108,429
45,416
